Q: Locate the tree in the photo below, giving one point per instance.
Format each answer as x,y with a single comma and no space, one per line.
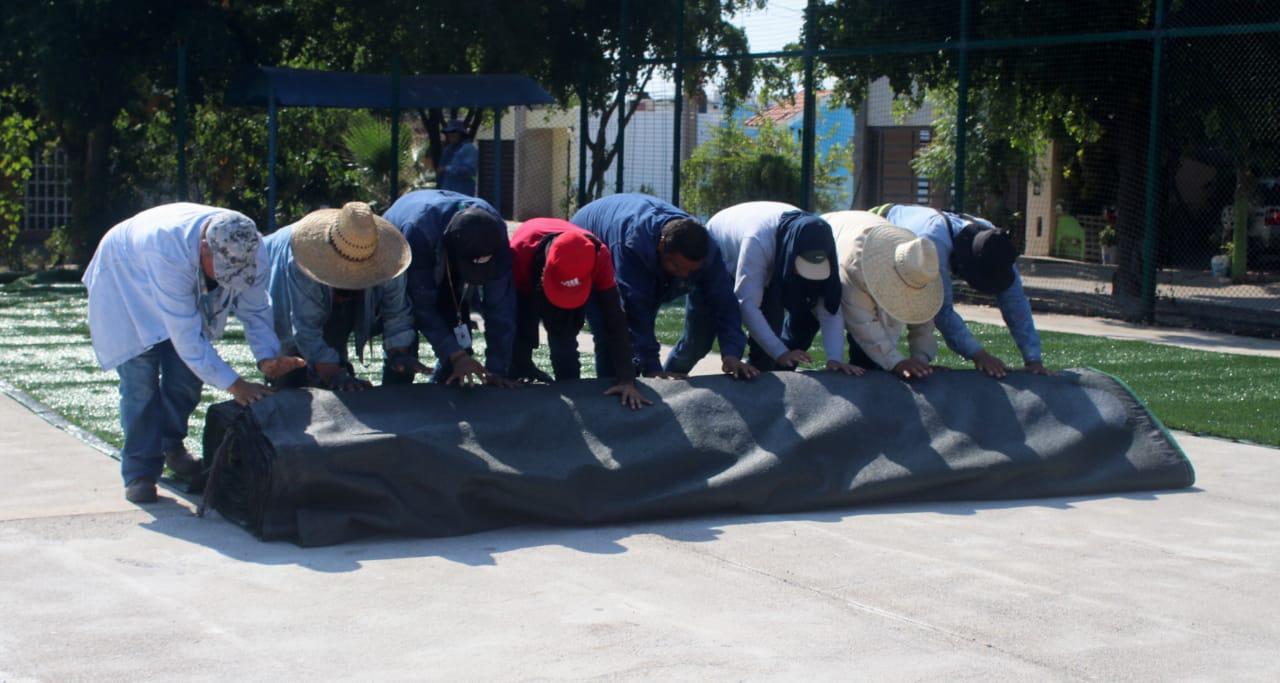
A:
735,166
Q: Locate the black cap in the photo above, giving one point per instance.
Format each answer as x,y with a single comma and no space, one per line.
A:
473,240
987,263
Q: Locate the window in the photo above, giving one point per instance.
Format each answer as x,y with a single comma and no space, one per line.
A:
922,191
47,202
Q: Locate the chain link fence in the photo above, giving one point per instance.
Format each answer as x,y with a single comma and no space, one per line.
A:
1132,148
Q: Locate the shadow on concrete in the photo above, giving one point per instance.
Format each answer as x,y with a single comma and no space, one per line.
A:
172,519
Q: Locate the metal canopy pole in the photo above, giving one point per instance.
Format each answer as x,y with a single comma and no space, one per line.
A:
273,129
497,161
394,191
181,116
1153,161
583,122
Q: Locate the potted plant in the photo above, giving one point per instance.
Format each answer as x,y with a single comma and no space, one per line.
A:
1107,238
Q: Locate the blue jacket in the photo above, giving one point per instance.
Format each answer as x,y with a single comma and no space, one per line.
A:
461,160
631,225
302,306
927,222
422,216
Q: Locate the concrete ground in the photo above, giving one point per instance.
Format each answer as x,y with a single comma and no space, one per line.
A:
1149,586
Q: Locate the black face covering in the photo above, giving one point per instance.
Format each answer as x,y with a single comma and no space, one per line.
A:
801,233
473,234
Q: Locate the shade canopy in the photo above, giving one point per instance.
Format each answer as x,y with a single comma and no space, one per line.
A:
308,88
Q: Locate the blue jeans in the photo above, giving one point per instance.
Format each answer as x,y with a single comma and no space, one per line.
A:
158,393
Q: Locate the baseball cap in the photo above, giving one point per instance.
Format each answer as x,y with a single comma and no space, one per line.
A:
567,275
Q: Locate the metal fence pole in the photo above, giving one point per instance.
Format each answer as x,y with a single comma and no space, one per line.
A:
1153,162
394,191
497,161
678,124
181,116
810,112
620,143
962,110
273,130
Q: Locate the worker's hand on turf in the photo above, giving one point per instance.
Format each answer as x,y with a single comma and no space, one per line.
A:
248,392
989,364
792,358
1037,368
466,370
663,374
911,368
629,395
499,381
404,361
845,368
280,365
736,368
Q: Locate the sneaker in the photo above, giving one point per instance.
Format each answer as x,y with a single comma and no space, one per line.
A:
182,463
141,490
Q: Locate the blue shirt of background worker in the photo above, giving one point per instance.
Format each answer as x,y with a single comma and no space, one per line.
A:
984,257
460,247
660,253
459,161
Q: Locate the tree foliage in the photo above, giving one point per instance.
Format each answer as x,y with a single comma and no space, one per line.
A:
735,166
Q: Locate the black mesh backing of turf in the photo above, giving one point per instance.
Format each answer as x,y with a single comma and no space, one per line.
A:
319,468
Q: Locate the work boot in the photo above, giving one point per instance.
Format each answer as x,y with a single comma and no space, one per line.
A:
141,490
182,463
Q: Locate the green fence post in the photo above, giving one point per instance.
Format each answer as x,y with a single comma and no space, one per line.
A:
583,122
394,191
1153,161
678,124
807,143
620,143
962,109
181,116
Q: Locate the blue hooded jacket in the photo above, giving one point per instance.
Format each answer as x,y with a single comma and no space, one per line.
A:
422,217
631,226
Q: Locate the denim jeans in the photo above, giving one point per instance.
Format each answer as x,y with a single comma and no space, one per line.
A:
158,393
562,338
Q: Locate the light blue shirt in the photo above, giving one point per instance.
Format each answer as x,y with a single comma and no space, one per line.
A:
145,286
302,306
941,228
747,235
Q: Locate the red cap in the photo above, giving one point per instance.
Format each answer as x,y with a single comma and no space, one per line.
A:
566,278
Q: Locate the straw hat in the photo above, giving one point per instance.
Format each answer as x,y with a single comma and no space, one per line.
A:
901,272
349,248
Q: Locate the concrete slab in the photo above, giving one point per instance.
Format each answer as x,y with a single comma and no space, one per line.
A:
1152,586
1199,340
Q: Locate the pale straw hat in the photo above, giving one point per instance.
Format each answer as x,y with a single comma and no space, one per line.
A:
349,248
901,272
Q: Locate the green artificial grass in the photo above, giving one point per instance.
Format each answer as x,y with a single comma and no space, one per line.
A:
1220,394
45,351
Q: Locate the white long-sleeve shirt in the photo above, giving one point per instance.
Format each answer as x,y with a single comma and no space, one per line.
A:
747,236
146,285
872,327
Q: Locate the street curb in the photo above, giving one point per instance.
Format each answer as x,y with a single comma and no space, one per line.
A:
47,414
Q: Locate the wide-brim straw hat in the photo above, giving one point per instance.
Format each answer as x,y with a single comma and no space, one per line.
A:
349,248
901,272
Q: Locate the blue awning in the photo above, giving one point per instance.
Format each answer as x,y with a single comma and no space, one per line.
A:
307,88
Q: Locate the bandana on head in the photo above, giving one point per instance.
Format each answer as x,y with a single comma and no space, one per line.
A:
473,240
801,233
234,241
